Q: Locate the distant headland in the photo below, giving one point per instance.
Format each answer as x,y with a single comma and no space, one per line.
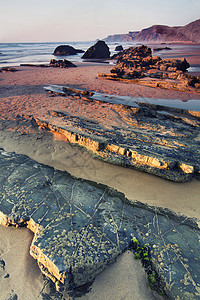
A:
161,33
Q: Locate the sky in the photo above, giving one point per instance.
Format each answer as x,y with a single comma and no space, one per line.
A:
88,20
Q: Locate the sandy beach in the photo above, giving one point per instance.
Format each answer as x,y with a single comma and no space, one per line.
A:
22,93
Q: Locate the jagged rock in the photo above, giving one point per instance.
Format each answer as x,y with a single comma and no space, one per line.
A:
140,58
61,63
119,48
66,50
80,227
98,51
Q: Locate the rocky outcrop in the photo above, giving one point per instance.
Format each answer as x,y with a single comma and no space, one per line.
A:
98,51
119,48
161,144
80,227
138,63
140,58
158,33
64,50
61,63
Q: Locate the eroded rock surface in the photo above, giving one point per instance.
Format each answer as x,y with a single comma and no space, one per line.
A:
80,227
137,65
161,143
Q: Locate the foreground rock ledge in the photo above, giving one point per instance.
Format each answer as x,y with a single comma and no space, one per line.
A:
80,227
157,141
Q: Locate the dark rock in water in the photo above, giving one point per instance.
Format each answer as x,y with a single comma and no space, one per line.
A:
8,69
80,227
161,49
66,50
99,50
61,63
119,48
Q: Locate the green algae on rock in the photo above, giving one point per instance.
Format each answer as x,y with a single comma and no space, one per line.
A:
81,226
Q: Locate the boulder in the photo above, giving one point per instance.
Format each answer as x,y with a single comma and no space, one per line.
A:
61,63
66,50
99,50
119,48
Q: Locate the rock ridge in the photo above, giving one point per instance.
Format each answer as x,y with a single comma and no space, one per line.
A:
81,226
161,144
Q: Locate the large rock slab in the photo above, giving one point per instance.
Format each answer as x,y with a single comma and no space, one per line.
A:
161,143
81,226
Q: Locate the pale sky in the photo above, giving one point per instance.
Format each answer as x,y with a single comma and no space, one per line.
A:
86,20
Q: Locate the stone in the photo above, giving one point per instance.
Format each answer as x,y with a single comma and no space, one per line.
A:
98,51
80,227
150,150
64,50
140,59
119,48
61,63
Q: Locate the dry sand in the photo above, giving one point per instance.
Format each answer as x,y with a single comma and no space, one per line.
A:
22,93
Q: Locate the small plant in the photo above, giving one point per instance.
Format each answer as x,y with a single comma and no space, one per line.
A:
143,253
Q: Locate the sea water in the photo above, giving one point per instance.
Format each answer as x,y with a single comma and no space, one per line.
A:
14,54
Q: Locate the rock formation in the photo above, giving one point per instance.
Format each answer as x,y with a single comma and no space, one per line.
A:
80,227
98,51
162,144
138,63
119,48
158,33
162,49
61,63
64,50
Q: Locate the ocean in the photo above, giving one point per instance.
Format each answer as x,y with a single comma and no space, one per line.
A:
14,54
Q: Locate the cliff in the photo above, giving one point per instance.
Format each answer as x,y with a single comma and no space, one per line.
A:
159,33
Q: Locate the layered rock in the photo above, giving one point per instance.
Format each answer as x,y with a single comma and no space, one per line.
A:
162,144
98,51
65,50
140,58
80,227
138,63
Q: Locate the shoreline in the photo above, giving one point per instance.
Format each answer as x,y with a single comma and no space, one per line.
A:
22,93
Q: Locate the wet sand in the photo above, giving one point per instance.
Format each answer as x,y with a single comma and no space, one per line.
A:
22,93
